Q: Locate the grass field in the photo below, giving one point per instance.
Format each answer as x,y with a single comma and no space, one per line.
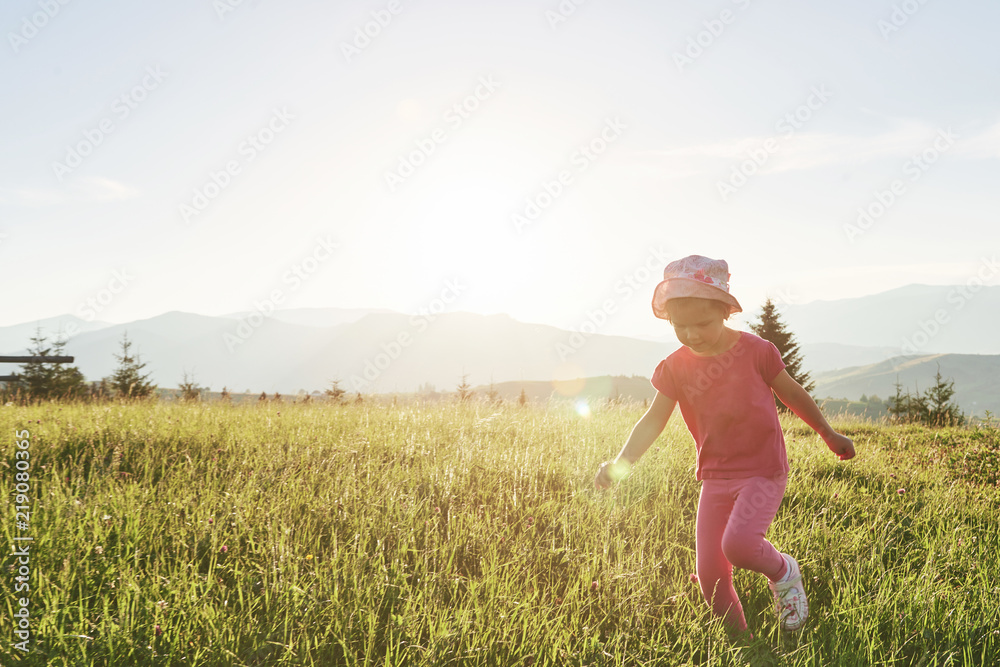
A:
282,534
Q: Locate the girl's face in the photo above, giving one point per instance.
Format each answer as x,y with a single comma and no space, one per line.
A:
699,325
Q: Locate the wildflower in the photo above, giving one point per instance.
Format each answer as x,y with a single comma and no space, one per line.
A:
162,604
900,491
836,495
437,510
211,521
158,630
99,550
309,557
531,520
693,577
224,548
593,586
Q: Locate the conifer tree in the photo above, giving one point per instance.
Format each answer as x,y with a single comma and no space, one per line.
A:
335,394
127,381
46,380
941,411
464,389
771,328
189,388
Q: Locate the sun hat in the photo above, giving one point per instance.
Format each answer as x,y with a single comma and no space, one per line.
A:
694,276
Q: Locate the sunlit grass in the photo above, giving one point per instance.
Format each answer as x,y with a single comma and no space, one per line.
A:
365,534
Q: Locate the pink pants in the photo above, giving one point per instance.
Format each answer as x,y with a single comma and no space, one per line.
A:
733,516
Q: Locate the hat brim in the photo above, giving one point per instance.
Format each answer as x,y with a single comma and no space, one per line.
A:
677,288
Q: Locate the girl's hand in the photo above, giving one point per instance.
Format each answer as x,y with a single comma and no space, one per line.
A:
841,445
602,480
611,471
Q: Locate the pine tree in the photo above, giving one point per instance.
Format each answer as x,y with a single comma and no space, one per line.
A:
127,381
35,377
910,408
189,388
900,405
940,409
492,395
771,328
335,394
47,380
464,390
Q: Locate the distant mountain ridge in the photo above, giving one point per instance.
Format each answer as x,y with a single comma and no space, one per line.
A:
976,378
911,320
372,351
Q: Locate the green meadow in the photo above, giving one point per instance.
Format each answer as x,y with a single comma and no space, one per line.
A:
367,534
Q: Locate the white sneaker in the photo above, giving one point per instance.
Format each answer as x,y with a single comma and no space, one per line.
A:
790,597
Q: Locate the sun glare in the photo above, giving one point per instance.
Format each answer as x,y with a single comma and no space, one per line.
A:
462,226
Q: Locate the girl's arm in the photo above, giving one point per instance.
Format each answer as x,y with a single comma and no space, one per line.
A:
644,433
801,403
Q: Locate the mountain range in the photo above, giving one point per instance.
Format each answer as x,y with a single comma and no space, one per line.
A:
851,347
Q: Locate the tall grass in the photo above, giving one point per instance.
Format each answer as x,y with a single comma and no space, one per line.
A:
212,534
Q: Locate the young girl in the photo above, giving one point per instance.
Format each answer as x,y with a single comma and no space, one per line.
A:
723,380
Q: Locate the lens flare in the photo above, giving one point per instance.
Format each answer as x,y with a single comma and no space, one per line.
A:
583,408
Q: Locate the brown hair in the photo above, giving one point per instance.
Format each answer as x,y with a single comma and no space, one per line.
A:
722,307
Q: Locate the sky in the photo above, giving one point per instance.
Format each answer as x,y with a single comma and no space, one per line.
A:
542,159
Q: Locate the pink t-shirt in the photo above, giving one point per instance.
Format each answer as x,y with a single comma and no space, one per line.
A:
727,404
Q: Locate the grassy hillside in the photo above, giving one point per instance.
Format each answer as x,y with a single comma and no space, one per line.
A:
976,377
214,534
